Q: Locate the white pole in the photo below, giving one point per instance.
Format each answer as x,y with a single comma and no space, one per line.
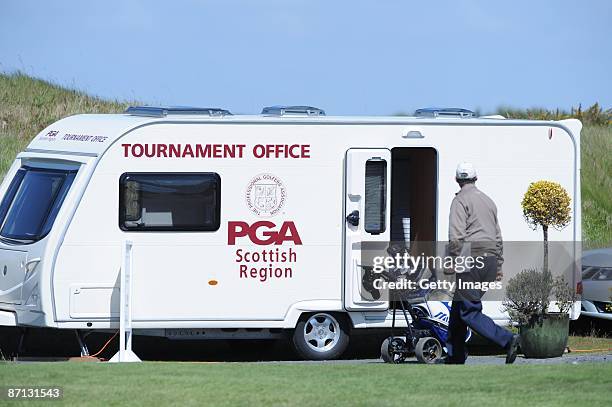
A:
125,353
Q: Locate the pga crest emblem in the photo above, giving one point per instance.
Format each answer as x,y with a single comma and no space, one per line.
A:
266,195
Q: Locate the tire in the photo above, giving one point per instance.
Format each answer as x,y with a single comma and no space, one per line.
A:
428,350
387,352
321,336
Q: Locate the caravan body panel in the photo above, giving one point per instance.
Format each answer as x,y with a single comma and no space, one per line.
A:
284,193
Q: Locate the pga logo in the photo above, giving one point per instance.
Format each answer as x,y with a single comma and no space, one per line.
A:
263,232
50,136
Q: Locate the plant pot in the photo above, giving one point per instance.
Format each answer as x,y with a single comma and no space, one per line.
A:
546,337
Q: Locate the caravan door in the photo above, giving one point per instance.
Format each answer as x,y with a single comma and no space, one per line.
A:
367,211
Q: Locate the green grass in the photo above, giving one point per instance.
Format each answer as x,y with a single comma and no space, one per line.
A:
590,343
28,105
596,180
232,384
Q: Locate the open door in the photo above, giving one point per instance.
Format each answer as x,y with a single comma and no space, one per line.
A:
367,211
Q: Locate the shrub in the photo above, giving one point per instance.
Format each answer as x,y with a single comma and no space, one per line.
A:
529,293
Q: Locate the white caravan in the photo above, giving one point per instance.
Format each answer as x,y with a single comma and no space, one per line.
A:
238,223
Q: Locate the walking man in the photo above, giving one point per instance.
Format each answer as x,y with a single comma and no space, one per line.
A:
473,221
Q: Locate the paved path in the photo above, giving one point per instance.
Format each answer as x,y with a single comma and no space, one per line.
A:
487,360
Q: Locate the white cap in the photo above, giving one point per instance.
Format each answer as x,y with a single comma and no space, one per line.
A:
465,170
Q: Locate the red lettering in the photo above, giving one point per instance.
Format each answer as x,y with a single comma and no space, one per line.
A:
240,149
137,150
187,151
175,150
281,151
271,235
209,150
236,229
288,233
149,150
259,151
262,233
202,152
229,151
291,153
243,271
217,153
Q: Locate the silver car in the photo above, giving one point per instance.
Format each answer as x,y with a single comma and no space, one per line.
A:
597,283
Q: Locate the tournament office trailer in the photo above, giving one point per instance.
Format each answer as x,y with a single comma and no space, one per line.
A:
238,223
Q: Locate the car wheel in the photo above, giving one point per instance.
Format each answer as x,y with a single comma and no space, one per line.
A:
321,336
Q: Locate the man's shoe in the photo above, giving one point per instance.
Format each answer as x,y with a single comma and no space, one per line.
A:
512,349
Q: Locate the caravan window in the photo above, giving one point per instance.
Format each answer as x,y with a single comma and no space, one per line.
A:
32,202
375,196
170,201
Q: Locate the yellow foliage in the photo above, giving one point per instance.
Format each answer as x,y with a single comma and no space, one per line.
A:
546,204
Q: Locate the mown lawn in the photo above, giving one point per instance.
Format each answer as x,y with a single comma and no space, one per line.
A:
155,383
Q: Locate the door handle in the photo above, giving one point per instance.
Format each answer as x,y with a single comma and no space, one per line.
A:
353,218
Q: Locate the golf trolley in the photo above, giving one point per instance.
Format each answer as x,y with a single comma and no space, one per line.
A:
426,329
424,336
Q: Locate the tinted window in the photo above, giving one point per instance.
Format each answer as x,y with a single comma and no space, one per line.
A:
170,202
603,274
588,272
32,202
375,195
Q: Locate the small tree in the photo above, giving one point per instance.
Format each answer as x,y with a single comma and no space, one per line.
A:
546,204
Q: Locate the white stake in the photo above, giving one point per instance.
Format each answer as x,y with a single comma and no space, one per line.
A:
125,353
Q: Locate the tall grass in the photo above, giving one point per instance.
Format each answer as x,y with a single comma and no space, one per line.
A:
596,178
594,115
28,105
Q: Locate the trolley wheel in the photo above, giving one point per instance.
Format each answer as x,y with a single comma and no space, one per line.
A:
428,350
392,350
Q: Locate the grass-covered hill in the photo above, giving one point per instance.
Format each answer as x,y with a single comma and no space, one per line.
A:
28,105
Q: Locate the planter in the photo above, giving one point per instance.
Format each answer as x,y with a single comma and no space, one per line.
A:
545,338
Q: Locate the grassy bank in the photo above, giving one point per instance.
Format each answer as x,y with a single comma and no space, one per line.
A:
597,186
228,384
28,105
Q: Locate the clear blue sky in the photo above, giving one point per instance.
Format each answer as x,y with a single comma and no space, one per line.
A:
348,57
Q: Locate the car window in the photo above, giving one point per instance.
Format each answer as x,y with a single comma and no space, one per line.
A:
603,274
588,272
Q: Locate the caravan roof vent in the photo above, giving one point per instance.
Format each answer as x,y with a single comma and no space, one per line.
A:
293,111
444,112
155,111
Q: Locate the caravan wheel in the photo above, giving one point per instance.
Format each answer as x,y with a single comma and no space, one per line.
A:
320,336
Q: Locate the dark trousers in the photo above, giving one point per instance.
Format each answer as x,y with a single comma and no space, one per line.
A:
466,311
